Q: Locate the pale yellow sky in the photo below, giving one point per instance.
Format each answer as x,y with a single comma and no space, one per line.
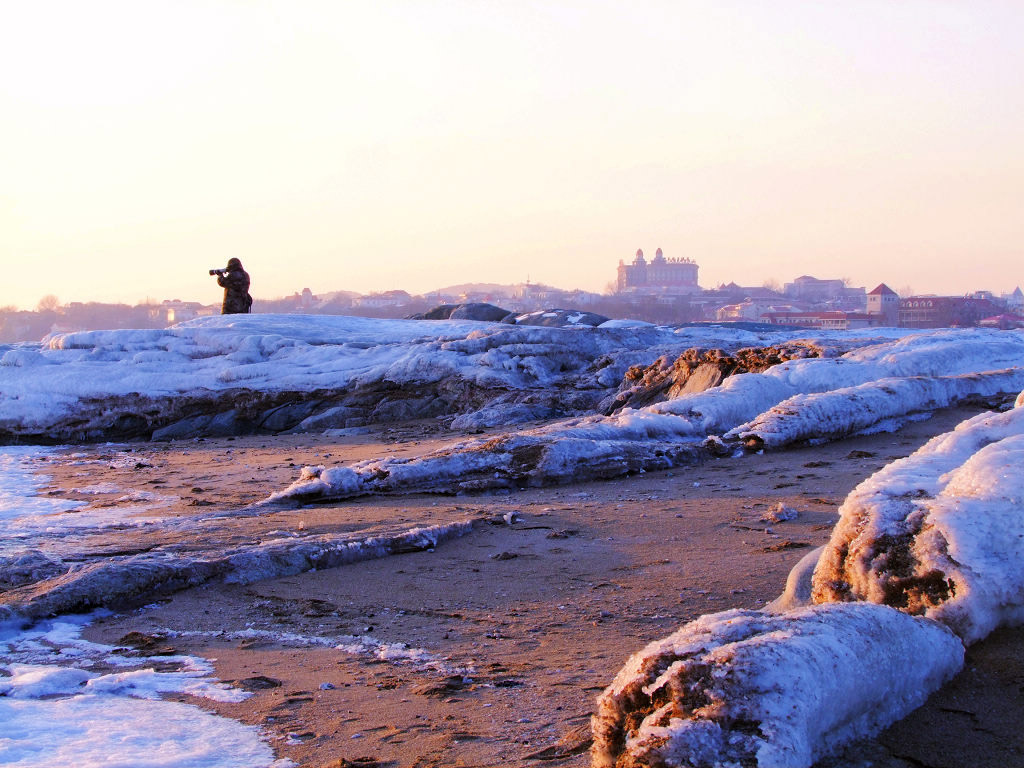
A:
367,146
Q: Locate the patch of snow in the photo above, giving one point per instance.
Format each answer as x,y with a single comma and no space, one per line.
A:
64,714
625,323
358,645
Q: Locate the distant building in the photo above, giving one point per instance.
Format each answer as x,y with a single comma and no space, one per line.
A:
884,301
1014,301
944,311
172,311
817,291
384,300
661,275
744,310
828,320
1004,322
303,300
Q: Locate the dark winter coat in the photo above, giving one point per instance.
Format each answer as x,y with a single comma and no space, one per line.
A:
237,300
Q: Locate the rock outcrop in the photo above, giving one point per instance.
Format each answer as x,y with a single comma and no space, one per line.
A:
561,318
697,370
481,311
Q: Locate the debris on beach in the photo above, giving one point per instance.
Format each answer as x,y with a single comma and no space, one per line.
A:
780,513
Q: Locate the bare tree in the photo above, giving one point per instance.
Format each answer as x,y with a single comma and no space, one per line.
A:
49,303
905,291
772,285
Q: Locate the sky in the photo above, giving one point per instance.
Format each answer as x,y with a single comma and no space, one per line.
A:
408,144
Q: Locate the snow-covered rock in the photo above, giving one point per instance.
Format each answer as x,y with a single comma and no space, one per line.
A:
561,318
773,690
939,533
697,370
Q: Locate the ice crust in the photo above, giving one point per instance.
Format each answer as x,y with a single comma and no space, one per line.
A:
936,534
757,689
70,380
110,580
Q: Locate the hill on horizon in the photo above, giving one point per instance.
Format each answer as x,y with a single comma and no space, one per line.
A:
506,290
476,288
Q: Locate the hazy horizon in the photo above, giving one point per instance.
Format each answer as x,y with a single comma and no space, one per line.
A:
415,145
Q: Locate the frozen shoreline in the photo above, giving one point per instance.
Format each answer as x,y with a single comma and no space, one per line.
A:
797,401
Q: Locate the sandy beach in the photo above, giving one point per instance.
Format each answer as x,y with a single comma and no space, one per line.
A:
491,648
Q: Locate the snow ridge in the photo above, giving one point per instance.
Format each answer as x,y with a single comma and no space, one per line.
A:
848,410
810,398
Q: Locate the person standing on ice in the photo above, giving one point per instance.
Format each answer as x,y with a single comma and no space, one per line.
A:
235,282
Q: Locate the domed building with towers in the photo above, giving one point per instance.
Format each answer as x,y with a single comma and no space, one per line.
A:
660,275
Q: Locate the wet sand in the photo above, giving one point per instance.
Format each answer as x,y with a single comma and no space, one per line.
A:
491,648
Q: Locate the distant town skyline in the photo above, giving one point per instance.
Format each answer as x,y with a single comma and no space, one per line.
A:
210,293
411,145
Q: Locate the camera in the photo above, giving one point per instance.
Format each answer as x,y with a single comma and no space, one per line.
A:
218,272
